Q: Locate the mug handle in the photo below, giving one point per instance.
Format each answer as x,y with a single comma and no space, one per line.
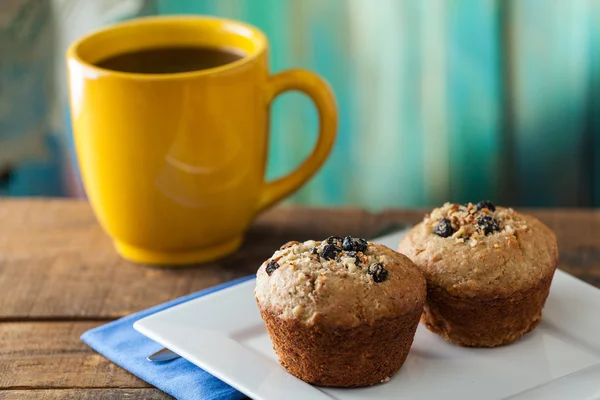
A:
319,92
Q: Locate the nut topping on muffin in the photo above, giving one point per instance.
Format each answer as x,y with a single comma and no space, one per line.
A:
473,221
352,255
289,244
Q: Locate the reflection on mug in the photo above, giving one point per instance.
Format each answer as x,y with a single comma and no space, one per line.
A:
195,174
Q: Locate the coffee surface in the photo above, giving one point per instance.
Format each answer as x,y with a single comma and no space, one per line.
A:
169,60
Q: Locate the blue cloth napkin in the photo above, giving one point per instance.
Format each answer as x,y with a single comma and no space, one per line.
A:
123,345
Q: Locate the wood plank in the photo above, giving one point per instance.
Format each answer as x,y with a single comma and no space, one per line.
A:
578,234
50,355
84,394
56,263
576,229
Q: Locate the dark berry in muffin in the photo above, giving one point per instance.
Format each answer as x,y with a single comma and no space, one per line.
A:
489,224
444,228
486,204
271,267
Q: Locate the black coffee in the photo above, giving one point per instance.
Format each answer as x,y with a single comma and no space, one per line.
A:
170,60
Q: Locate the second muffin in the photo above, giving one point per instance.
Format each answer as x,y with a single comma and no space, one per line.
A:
342,312
488,272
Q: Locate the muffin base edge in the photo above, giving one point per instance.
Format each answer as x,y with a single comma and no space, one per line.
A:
342,357
472,322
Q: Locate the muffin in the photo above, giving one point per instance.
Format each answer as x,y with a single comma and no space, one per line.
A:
341,312
488,272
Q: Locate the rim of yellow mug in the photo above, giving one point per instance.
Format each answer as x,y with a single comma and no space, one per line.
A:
238,27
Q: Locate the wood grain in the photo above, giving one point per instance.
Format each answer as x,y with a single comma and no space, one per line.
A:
56,262
59,276
50,355
84,394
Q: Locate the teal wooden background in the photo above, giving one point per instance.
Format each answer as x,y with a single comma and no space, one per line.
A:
460,100
439,99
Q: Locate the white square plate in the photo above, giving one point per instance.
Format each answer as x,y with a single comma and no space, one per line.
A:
223,334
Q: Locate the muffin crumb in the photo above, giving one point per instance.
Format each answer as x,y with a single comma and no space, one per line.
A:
289,244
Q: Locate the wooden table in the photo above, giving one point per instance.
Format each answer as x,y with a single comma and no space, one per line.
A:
59,276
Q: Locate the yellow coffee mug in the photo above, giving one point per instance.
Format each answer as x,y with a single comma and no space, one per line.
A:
174,164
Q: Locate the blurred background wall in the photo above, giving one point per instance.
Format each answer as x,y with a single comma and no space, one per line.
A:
439,100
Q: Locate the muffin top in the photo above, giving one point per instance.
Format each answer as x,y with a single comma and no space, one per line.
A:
481,250
338,282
